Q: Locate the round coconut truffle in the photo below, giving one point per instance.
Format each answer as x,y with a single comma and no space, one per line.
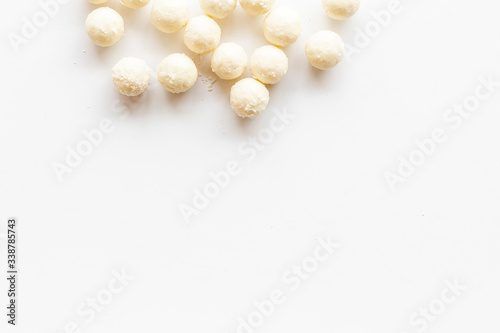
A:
325,49
177,73
104,26
282,27
229,61
269,64
257,7
202,34
249,98
134,4
98,2
218,8
131,76
340,9
170,15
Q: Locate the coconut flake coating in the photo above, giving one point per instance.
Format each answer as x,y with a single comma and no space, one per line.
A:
134,4
282,27
325,49
229,61
269,64
218,8
257,7
202,34
177,73
131,76
170,15
104,26
341,9
98,2
249,98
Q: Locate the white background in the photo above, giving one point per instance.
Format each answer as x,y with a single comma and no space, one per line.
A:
323,176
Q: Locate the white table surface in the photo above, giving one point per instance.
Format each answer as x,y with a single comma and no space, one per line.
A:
323,176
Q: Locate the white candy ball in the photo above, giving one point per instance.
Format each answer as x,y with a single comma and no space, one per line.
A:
269,64
282,27
134,4
177,73
218,8
131,76
325,49
229,61
257,7
202,34
170,15
98,2
340,9
104,26
249,98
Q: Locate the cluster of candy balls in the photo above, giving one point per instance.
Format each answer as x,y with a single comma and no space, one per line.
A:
177,73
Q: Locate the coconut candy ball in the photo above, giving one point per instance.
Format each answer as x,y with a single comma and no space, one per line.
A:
202,34
340,9
249,98
282,27
177,73
229,61
98,2
134,4
257,7
170,15
104,26
218,8
131,76
269,64
325,49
